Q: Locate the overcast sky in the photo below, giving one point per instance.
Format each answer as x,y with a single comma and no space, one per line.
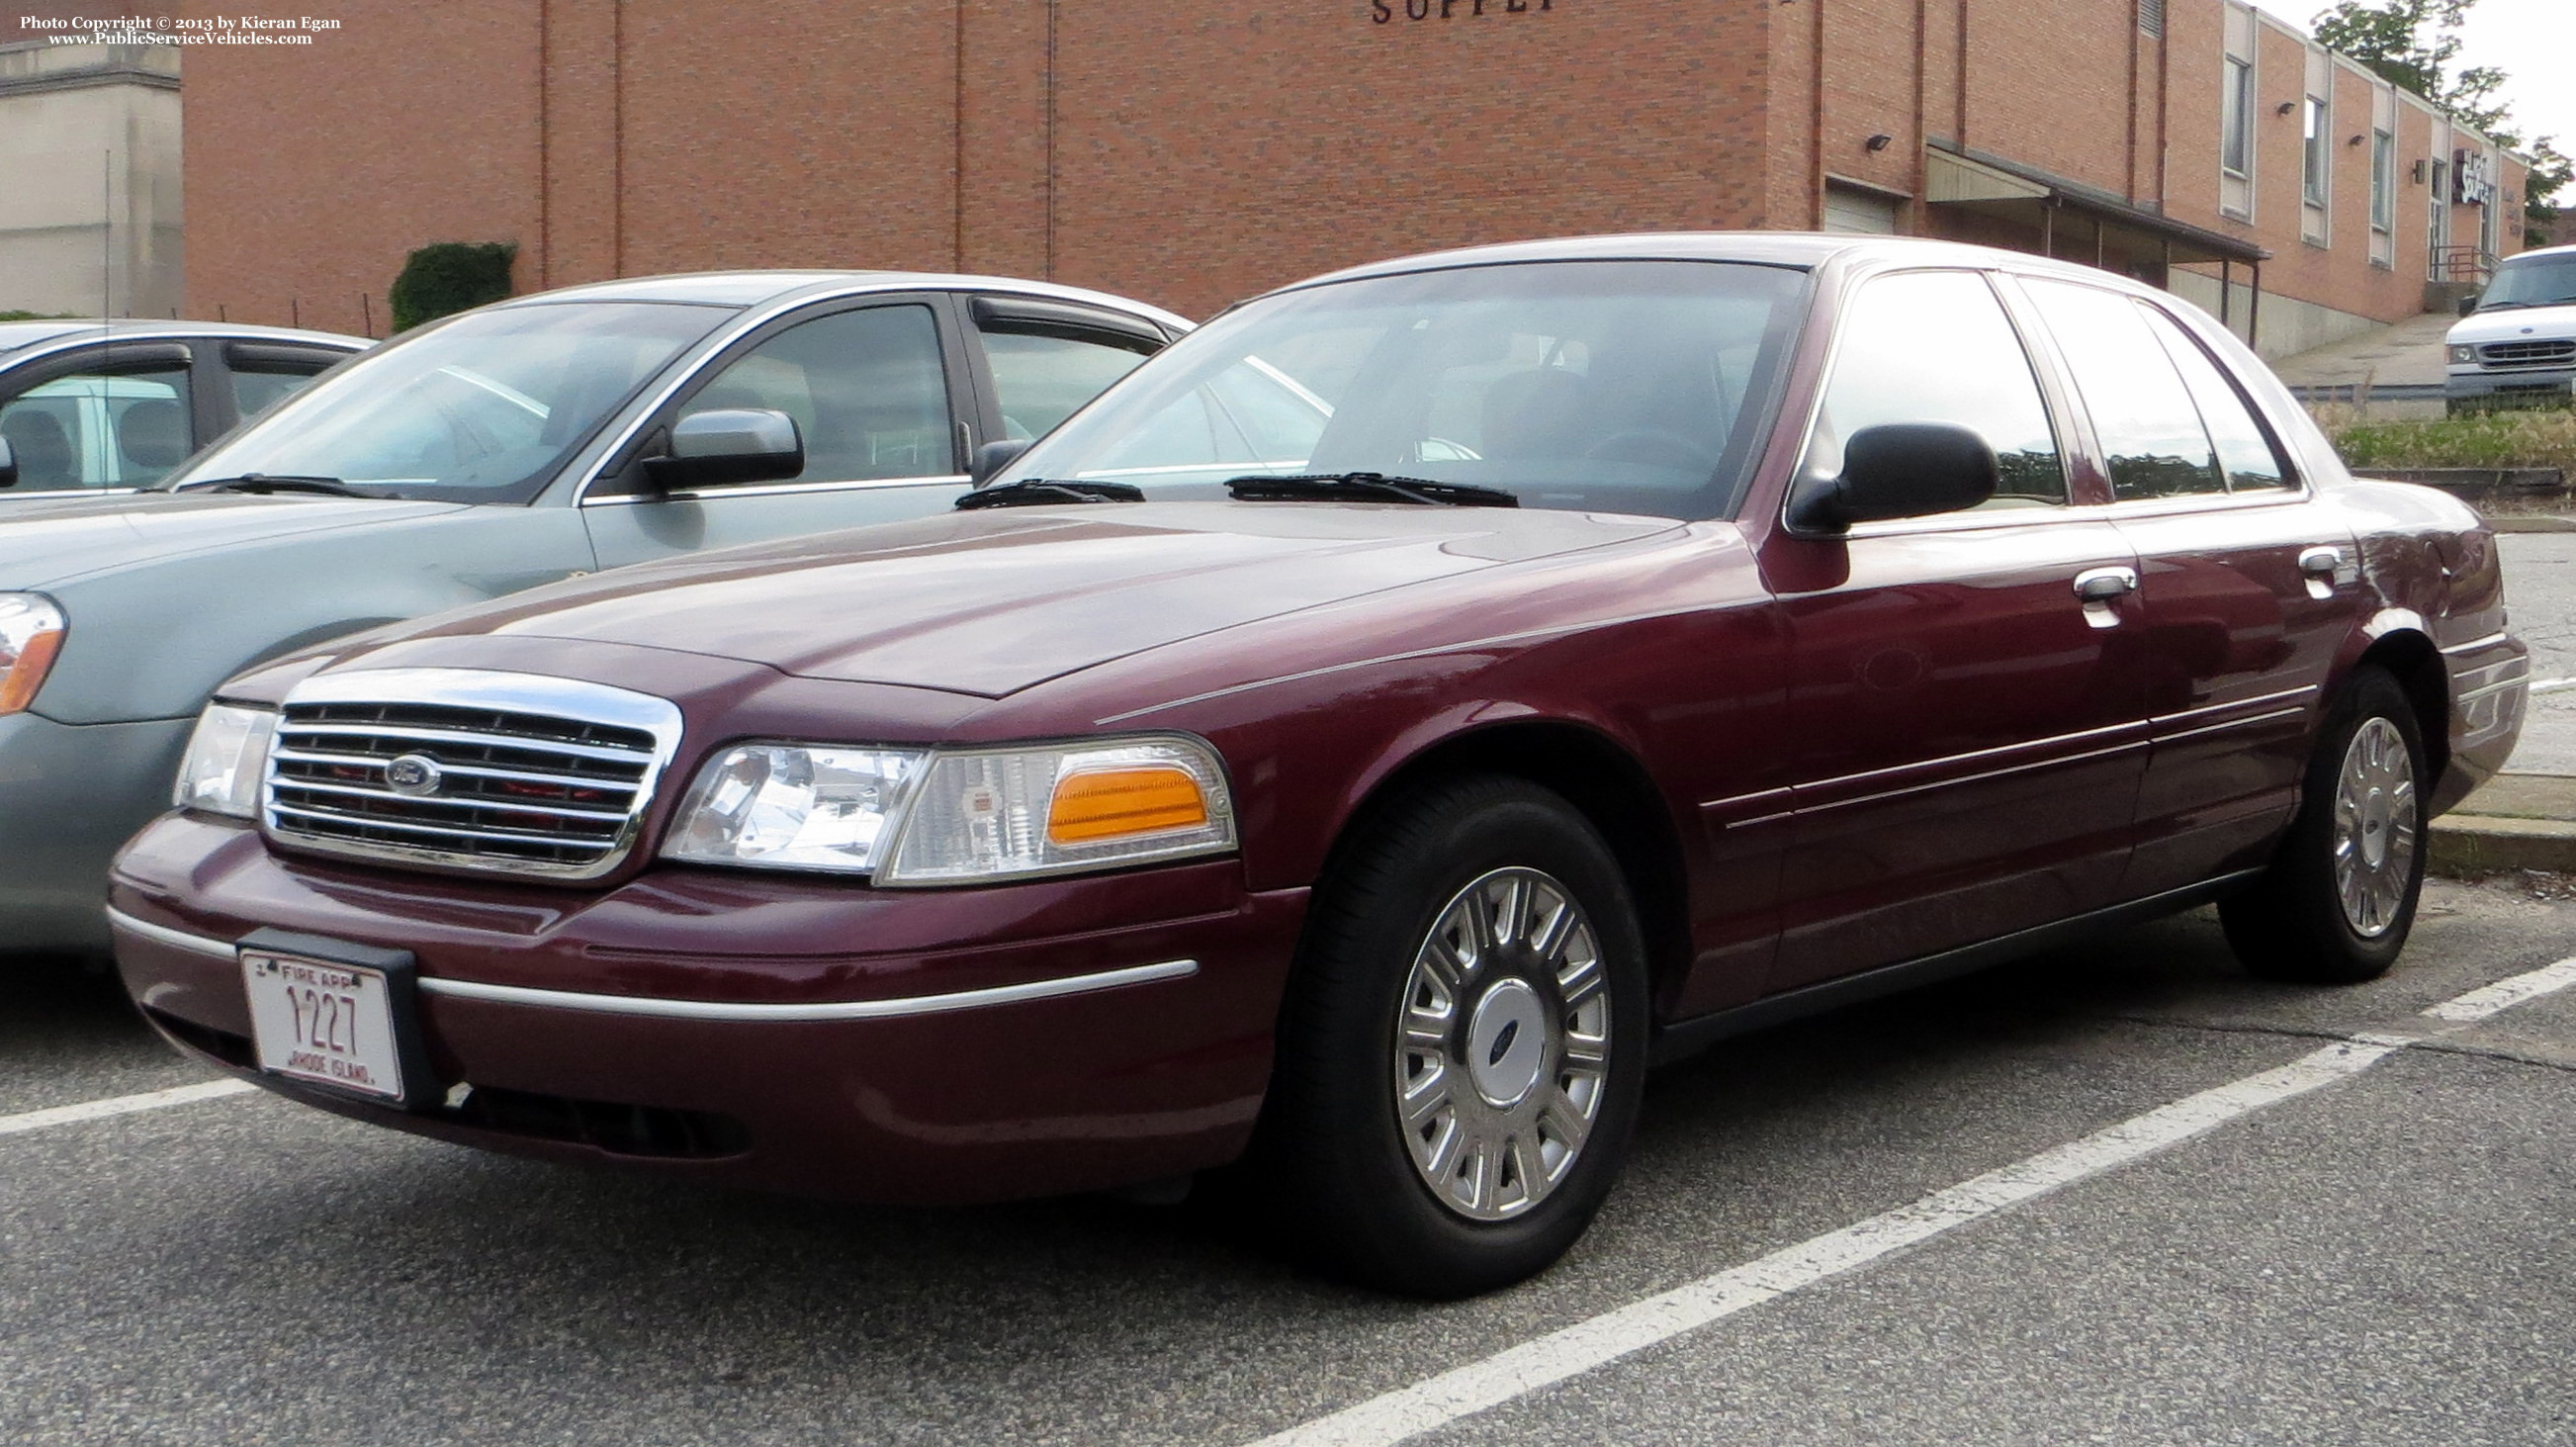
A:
2532,41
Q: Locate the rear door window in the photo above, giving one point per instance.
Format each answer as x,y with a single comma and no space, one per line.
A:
263,376
2245,450
2143,414
1041,378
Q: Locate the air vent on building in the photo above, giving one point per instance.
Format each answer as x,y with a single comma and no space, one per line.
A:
2151,16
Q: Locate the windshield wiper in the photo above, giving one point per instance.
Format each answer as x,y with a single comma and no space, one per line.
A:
1044,491
265,482
1367,487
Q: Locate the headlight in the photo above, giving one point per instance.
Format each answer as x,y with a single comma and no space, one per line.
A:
918,817
226,761
791,806
31,633
2464,354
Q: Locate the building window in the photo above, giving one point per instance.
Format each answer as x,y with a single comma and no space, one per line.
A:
2151,16
2236,142
2383,181
2315,157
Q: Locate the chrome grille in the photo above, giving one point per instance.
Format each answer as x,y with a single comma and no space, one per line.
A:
2526,354
467,769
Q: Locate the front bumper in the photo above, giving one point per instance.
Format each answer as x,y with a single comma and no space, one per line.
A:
786,1032
69,795
2526,385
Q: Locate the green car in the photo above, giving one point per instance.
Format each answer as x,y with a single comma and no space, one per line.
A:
92,407
514,445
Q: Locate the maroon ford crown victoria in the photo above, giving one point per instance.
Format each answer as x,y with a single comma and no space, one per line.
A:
1355,747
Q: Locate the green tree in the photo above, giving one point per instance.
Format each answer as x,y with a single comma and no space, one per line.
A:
2413,43
2391,37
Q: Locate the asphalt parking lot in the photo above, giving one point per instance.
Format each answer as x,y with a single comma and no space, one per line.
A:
2380,1252
2540,581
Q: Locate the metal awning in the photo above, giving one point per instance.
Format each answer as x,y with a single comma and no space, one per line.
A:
2033,198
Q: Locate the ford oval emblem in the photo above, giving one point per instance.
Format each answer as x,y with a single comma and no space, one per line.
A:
414,774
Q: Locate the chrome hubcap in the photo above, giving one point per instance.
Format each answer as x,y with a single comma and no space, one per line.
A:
1503,1047
2374,827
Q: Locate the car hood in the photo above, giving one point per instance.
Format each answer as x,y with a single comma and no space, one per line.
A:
2515,324
991,602
47,541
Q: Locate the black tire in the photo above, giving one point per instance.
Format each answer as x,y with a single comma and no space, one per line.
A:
1333,1165
2294,924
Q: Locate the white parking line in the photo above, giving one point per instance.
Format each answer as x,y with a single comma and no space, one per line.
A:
2504,994
1543,1361
2553,685
121,1105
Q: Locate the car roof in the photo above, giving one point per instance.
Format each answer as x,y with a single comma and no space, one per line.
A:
18,336
755,288
1802,249
2569,250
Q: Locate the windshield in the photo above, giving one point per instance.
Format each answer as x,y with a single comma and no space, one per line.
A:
2539,281
1609,386
480,409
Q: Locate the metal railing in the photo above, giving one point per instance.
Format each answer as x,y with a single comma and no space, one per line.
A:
2463,263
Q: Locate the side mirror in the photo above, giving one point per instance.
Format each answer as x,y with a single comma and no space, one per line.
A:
733,444
2468,304
8,465
991,458
1901,470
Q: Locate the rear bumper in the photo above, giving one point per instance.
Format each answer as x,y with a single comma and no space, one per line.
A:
69,795
1031,1040
2490,688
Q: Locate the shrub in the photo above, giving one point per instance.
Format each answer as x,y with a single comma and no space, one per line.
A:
447,277
2522,438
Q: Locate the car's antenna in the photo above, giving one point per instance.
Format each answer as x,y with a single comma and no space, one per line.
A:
106,231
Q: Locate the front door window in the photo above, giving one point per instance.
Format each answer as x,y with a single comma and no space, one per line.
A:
99,429
867,388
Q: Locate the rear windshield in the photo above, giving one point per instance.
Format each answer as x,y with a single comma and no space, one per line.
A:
1606,386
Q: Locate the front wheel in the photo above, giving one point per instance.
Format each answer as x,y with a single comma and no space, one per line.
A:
2337,903
1463,1044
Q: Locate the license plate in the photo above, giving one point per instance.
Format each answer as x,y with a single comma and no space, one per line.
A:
325,1022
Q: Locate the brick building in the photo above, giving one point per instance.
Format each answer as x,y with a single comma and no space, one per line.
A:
1192,151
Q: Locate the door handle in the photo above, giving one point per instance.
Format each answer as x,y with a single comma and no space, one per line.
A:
2321,562
2102,585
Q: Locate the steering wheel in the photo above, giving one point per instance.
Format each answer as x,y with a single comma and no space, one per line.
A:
1654,446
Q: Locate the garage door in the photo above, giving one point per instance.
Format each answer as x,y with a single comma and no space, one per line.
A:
1851,209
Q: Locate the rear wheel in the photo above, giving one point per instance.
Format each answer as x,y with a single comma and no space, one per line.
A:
2337,903
1463,1045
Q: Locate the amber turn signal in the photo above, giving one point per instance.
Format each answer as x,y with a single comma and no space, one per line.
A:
1097,804
31,632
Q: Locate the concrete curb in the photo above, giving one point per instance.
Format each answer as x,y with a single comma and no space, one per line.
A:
2518,821
2533,524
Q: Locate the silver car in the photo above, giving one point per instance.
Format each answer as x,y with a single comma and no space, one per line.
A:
507,447
115,406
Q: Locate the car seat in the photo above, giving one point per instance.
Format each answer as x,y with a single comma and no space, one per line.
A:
1540,413
43,450
152,436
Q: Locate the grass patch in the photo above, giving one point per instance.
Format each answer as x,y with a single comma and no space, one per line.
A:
2482,439
16,316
